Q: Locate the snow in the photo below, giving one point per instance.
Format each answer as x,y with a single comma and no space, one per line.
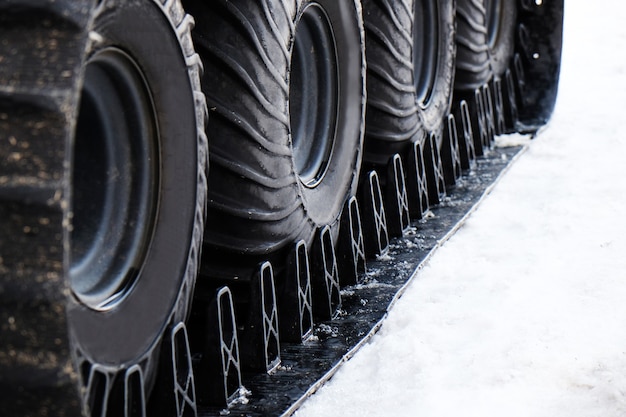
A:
523,312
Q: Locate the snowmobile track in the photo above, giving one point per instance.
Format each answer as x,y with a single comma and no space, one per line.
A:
364,306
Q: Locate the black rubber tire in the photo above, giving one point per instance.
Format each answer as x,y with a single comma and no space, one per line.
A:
259,198
485,41
135,179
409,84
537,61
516,43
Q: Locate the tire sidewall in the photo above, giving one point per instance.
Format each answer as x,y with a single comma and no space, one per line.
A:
324,202
494,57
129,331
501,52
398,114
432,112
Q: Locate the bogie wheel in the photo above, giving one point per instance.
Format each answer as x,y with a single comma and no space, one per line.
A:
410,48
537,61
133,199
515,48
284,82
485,46
485,41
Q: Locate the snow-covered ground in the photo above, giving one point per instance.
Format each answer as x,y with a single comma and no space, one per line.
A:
523,312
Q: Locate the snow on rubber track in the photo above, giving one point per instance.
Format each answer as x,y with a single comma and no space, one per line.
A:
523,312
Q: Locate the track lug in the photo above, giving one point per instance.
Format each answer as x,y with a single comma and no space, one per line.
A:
219,368
476,121
511,113
134,395
184,385
325,278
270,318
260,345
294,303
482,130
466,144
99,384
434,171
519,75
498,106
112,392
417,185
523,38
374,218
174,393
351,247
397,200
450,152
489,116
228,345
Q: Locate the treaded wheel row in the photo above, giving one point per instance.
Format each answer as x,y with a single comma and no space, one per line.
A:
40,369
397,113
112,390
382,212
537,60
256,117
392,111
523,62
472,64
34,204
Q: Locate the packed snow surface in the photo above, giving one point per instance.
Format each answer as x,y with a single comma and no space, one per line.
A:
523,312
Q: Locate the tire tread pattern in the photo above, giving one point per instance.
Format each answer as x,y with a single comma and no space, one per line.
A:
472,65
39,87
246,46
392,113
395,115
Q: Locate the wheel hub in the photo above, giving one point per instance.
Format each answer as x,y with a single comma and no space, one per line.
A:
114,180
425,48
314,92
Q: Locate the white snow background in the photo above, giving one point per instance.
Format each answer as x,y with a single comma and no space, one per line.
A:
523,312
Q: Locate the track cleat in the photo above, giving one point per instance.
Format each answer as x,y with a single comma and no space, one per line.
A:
466,143
489,115
397,200
498,106
434,171
184,386
260,345
99,385
228,345
518,70
482,130
294,302
511,113
450,152
374,218
351,248
325,279
134,395
220,365
417,185
271,341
